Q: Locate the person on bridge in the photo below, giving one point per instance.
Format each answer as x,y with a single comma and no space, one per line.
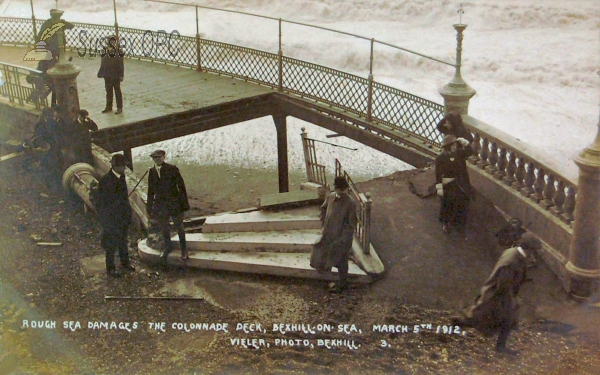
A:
495,308
112,69
114,211
452,124
167,198
338,215
452,183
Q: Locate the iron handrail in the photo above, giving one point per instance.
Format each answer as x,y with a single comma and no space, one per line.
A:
306,25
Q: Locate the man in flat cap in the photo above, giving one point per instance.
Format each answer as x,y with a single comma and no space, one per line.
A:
452,183
495,308
167,198
338,215
114,212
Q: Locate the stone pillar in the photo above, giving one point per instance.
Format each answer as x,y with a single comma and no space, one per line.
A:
457,93
584,252
282,152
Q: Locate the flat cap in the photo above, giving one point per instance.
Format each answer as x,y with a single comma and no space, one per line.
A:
158,153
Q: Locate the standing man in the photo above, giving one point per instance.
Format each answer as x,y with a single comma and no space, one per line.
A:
452,183
167,198
112,69
114,212
495,308
338,215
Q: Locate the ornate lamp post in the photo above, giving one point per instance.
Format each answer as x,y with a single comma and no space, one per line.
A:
457,93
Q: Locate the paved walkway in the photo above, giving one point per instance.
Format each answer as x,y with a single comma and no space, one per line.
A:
428,267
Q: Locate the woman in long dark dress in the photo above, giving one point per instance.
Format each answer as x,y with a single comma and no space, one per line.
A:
452,183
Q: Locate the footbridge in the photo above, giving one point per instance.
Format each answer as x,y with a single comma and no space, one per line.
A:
208,84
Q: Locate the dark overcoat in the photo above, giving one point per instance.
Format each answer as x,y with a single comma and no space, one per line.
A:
112,203
338,215
166,194
111,64
458,192
497,300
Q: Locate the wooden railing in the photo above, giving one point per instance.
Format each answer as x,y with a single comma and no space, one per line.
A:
315,172
363,209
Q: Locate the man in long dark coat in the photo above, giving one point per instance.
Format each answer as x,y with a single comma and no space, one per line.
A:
112,69
338,215
167,198
114,212
452,183
495,308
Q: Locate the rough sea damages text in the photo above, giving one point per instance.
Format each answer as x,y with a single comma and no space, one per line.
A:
257,336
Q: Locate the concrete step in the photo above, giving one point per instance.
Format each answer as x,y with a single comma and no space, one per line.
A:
263,221
296,198
279,264
293,241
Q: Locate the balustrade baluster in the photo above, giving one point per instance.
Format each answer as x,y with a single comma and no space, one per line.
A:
549,191
519,174
476,145
483,155
538,186
569,206
558,199
493,159
527,188
511,168
502,163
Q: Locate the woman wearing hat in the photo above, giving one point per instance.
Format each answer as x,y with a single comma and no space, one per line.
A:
452,183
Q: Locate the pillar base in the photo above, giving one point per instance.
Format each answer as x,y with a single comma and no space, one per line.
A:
456,97
583,282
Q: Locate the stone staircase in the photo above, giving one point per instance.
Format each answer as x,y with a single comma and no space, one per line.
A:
273,240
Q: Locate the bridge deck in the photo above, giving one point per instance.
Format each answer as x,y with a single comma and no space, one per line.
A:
150,90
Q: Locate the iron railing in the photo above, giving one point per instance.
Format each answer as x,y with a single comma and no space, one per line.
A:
23,85
363,209
361,96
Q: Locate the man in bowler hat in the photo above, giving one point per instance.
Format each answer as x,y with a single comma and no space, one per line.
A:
495,308
114,212
167,198
338,215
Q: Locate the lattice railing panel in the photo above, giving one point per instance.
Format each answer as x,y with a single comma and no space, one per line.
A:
240,62
327,85
17,31
406,112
